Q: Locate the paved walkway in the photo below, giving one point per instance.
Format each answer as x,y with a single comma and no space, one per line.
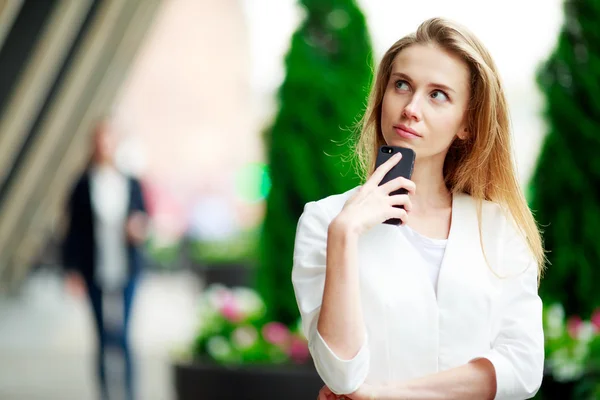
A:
47,341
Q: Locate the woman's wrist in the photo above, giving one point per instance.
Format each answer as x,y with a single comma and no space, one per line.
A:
380,393
344,226
392,392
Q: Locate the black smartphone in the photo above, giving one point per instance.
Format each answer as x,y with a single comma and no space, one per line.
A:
403,168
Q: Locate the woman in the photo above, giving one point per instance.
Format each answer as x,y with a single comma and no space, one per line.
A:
107,225
444,306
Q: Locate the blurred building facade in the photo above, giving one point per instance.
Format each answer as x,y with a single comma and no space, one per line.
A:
63,62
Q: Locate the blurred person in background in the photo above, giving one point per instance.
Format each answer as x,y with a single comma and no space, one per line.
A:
444,305
107,224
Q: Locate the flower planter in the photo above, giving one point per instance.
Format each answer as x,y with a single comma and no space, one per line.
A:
199,380
585,387
228,274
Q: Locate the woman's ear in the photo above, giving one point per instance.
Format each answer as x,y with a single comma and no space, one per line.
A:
463,133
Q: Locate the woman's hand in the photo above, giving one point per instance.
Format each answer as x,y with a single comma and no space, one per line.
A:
365,392
136,228
372,204
75,285
326,394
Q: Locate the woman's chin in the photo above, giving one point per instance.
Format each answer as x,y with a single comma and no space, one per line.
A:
399,142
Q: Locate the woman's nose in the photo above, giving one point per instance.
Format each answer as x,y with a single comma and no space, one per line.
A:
413,109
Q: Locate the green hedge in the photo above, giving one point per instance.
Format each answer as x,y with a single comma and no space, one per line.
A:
328,72
565,188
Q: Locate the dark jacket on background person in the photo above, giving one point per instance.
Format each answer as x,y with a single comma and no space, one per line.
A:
79,246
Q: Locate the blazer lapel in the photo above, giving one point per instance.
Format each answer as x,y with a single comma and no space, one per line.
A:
464,288
457,237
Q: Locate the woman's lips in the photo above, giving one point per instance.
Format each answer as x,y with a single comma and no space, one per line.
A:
406,132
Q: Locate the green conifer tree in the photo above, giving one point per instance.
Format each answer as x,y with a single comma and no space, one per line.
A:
328,72
566,182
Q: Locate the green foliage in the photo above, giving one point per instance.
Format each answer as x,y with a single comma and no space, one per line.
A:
162,257
241,248
329,67
572,348
565,195
234,331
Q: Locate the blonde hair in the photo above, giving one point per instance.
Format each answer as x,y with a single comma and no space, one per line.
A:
481,165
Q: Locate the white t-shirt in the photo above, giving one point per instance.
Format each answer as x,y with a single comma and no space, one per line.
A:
110,200
431,251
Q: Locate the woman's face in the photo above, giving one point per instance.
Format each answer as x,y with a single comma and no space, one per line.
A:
425,100
104,142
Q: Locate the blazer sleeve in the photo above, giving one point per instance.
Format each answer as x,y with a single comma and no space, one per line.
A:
517,352
138,201
69,246
308,278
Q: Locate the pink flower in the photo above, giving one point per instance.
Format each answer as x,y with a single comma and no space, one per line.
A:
218,295
595,320
574,325
276,333
230,310
298,350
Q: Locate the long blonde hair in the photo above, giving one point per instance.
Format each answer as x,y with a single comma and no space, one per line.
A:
482,165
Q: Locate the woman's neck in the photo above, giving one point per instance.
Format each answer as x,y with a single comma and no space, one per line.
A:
431,193
103,163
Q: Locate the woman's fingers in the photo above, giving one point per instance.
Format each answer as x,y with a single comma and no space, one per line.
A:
399,183
401,200
383,169
325,394
399,213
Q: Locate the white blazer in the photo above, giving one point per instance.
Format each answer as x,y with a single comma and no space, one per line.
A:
479,311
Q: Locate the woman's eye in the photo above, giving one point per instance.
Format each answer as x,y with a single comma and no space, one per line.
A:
439,95
401,85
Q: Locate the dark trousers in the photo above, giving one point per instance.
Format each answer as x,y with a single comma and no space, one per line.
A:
118,338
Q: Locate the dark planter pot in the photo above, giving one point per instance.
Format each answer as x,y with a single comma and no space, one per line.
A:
234,274
207,381
583,388
552,389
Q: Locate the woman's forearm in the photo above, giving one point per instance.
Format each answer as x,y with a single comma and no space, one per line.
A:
341,320
475,380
